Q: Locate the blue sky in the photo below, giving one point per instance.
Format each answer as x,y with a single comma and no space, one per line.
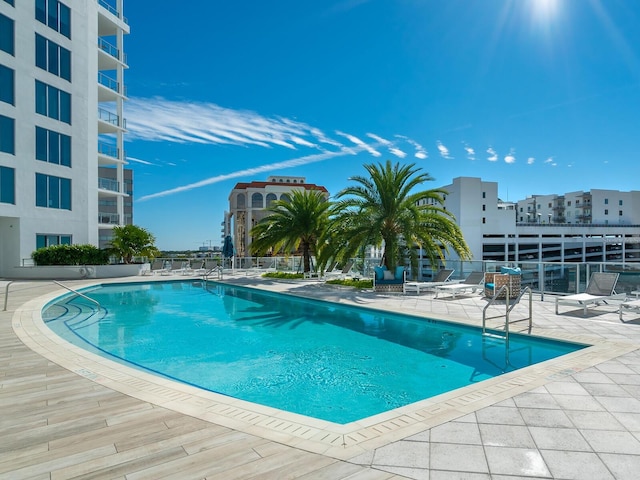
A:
541,96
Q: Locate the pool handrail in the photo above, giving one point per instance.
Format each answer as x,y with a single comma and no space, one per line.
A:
78,293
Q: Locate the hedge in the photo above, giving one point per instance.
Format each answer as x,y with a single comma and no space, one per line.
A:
70,255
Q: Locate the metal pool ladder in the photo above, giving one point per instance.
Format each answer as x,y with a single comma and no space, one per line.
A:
508,308
78,293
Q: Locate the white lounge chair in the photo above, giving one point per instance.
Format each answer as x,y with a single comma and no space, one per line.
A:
633,305
473,282
441,278
600,289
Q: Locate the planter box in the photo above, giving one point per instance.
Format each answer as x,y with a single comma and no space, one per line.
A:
75,272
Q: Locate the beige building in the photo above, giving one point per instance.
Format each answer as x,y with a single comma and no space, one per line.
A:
248,202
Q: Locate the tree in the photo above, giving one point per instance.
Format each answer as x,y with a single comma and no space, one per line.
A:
382,210
292,225
130,240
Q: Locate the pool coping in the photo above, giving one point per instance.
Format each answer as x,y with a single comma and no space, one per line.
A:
306,433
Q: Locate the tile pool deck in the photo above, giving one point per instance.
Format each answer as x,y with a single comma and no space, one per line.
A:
67,414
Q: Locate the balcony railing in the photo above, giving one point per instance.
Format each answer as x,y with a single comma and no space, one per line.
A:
110,83
108,184
111,50
112,118
108,150
112,10
109,218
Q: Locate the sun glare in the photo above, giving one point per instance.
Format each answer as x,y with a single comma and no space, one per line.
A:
545,9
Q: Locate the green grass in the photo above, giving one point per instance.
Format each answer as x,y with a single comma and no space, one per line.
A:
348,282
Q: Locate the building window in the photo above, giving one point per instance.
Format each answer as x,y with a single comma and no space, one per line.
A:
10,2
606,211
6,35
240,203
45,240
271,197
7,185
569,203
55,15
256,200
53,192
620,202
7,89
7,135
53,147
484,208
285,198
620,212
606,201
484,194
53,58
52,102
484,220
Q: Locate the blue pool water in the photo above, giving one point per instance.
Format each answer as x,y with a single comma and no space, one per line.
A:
321,359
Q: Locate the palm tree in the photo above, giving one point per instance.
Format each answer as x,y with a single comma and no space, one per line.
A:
382,210
292,225
130,240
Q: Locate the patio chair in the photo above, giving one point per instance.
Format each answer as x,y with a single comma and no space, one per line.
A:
473,282
633,305
600,289
441,278
341,274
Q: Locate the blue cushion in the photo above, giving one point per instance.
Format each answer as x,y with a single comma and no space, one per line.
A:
379,272
489,286
399,273
510,271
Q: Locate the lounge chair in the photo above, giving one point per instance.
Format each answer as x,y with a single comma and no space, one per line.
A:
473,282
441,278
346,269
600,289
633,305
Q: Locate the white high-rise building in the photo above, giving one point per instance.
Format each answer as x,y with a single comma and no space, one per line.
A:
593,226
62,91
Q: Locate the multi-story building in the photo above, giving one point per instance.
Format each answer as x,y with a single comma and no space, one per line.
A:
248,203
594,226
62,91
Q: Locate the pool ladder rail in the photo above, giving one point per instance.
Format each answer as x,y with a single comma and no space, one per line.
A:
508,307
78,293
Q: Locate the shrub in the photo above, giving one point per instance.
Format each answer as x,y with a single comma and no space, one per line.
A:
349,282
283,275
70,255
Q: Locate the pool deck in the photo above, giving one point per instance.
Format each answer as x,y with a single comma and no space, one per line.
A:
68,414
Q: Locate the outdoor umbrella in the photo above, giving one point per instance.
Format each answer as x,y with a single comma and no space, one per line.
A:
227,247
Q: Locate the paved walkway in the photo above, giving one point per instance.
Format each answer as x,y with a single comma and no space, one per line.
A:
580,420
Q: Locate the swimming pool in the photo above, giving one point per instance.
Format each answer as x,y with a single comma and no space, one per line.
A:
324,360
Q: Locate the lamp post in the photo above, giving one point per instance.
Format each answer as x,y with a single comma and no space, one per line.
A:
549,218
539,215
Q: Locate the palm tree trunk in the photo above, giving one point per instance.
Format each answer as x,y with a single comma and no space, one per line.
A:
306,256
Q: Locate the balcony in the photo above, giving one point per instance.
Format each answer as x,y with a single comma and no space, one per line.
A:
108,218
113,55
111,90
109,184
109,122
112,10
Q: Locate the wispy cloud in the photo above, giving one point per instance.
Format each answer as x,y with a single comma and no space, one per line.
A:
359,143
510,157
444,151
550,161
471,153
420,152
295,162
493,155
158,119
137,160
393,149
531,161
